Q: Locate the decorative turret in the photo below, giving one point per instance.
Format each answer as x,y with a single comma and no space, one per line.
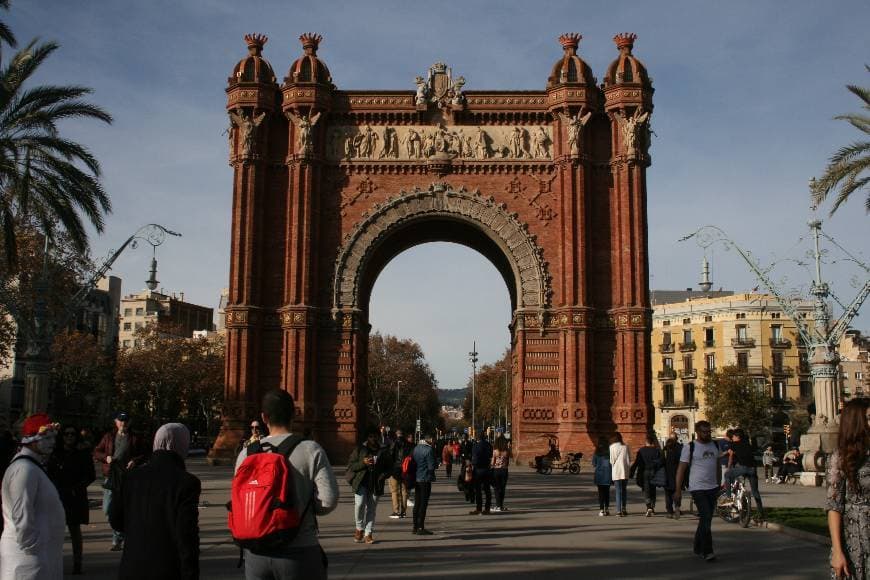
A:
308,85
253,68
308,68
570,69
626,69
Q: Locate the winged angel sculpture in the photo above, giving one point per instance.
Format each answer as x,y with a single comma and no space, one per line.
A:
575,130
248,125
304,124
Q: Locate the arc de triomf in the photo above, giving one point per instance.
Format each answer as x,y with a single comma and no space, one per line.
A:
550,185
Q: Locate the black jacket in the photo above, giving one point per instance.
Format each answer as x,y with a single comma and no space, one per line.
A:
159,517
672,462
72,472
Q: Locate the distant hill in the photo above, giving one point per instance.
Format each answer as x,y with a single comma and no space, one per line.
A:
453,397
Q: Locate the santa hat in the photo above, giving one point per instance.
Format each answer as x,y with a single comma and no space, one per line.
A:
36,427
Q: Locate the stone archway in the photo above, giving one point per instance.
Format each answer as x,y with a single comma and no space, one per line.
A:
316,215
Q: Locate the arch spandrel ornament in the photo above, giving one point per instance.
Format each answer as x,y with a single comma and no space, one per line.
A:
532,282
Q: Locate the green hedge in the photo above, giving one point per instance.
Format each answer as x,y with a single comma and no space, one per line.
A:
813,520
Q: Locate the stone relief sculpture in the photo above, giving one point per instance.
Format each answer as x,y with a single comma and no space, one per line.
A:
575,130
248,125
634,131
422,90
304,125
457,97
412,143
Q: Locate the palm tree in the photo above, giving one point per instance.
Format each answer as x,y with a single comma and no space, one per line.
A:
847,167
45,178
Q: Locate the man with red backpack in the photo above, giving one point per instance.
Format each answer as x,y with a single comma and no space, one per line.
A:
289,548
400,449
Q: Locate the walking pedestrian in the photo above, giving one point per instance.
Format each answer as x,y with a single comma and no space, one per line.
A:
400,449
371,465
481,463
315,492
447,458
742,463
768,459
424,459
501,455
724,445
700,459
848,475
71,468
31,546
118,451
157,510
619,468
648,460
671,454
603,475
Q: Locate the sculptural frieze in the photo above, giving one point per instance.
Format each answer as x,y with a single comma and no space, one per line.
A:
412,143
304,125
575,126
635,132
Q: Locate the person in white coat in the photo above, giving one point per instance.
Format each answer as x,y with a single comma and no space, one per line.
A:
31,547
619,468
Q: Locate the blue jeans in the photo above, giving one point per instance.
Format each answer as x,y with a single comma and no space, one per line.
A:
705,500
621,486
117,537
750,474
365,506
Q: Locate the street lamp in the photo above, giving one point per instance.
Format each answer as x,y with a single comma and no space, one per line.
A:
40,334
398,384
472,356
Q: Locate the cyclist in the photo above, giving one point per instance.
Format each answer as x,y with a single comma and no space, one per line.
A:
741,461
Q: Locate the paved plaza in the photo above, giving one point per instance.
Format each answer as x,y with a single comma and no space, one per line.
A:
552,528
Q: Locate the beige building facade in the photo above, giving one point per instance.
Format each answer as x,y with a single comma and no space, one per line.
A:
695,332
854,365
138,311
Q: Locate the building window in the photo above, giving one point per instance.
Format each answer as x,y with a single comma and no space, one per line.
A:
777,362
774,315
806,389
743,360
779,391
740,315
126,344
666,322
687,321
710,362
137,343
689,394
138,325
140,311
668,362
668,394
741,332
859,375
128,326
708,319
666,338
687,336
128,312
687,363
708,337
776,333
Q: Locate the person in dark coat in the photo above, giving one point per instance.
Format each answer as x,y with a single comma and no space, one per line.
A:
671,453
158,513
72,471
646,462
371,463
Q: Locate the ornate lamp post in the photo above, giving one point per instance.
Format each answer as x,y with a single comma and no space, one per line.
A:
472,356
40,334
821,340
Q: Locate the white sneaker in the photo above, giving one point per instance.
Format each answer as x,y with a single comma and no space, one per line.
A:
496,509
410,503
601,513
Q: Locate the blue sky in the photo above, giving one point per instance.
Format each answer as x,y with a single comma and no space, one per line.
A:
745,95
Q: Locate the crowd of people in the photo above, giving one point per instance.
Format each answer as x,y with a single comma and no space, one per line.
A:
151,500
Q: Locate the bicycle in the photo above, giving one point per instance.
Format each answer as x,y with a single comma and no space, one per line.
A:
738,506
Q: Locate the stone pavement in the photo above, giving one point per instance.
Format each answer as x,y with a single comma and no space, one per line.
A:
552,529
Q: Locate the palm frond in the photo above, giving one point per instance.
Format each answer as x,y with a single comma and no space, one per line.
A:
862,93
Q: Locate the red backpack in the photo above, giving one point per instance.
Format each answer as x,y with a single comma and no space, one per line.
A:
263,512
409,471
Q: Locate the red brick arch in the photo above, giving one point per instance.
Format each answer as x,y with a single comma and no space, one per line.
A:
549,185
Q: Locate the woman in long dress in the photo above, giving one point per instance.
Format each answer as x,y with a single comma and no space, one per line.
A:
848,500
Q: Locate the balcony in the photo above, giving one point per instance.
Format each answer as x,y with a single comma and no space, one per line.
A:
671,404
709,343
782,371
666,348
780,343
743,342
753,371
667,374
688,346
689,374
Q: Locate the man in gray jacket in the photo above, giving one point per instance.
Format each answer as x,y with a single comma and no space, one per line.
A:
303,558
424,457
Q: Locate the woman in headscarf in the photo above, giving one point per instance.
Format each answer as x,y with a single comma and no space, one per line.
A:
158,512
